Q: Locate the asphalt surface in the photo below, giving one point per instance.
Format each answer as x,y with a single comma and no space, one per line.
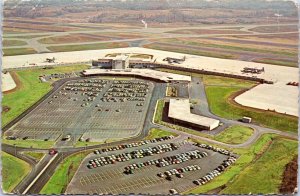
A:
196,91
65,116
144,180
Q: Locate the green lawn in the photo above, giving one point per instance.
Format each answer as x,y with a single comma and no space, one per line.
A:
234,135
13,171
30,90
220,105
7,43
220,89
63,174
83,143
93,143
250,158
78,47
36,155
30,143
18,51
157,133
265,175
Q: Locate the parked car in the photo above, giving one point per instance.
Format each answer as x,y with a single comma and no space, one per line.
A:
173,191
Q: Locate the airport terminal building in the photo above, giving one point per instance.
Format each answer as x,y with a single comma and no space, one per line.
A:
122,62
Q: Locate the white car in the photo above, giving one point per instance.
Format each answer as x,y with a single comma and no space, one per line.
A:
173,191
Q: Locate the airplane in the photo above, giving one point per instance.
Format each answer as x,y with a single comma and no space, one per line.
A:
50,60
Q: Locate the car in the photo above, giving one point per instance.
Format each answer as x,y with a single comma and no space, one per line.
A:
66,138
173,191
52,151
197,167
11,138
179,175
169,178
161,175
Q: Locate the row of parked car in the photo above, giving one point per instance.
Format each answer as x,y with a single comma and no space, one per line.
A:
213,148
179,172
59,75
136,154
216,172
80,84
165,161
133,144
180,158
83,89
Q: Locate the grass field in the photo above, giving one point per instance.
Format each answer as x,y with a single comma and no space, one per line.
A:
218,99
29,143
220,91
187,50
67,48
82,143
13,171
234,135
268,169
277,62
63,174
251,158
18,51
157,133
7,43
24,36
237,47
36,155
30,90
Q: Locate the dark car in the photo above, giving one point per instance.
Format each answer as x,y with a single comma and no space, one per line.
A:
11,138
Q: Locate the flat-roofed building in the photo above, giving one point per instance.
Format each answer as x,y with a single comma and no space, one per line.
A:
179,110
120,62
143,73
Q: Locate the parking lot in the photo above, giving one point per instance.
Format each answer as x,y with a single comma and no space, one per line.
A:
147,167
90,108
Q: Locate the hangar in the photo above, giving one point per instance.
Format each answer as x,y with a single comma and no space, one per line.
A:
179,110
